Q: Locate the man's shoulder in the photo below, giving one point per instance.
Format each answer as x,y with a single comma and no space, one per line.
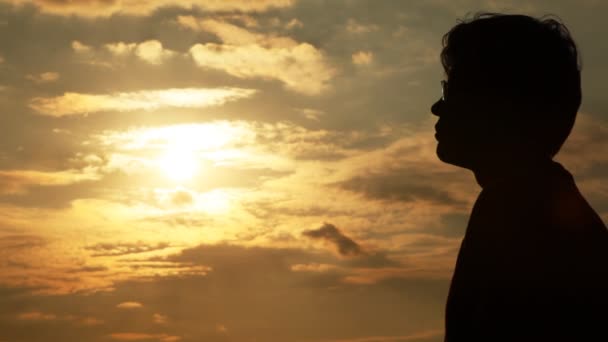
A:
541,210
549,217
533,196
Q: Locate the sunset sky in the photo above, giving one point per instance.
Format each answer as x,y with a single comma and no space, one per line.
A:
243,170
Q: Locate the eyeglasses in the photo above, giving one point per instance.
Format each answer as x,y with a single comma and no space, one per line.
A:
444,90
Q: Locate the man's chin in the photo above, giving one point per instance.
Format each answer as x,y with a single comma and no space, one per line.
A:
451,155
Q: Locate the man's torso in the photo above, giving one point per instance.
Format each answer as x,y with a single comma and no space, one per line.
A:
533,262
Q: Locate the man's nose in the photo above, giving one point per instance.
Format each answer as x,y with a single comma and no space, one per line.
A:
438,107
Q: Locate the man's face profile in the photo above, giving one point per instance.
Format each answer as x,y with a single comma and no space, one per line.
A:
461,130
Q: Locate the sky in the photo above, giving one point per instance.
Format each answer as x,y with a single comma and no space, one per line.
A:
243,170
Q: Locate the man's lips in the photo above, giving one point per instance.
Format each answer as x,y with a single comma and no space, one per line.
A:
439,131
441,135
438,134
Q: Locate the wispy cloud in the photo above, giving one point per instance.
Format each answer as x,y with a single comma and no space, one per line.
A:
45,77
38,316
353,26
160,318
147,100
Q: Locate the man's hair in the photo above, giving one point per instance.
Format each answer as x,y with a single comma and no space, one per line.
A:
530,64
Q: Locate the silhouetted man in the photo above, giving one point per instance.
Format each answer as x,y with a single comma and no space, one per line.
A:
533,265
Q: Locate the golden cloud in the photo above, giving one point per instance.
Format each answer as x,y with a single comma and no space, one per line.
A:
129,305
244,54
95,8
363,57
78,103
80,47
120,48
150,51
294,23
312,267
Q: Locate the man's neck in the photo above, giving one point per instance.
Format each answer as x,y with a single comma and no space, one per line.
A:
504,170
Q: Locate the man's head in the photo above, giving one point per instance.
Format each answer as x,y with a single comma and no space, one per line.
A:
513,87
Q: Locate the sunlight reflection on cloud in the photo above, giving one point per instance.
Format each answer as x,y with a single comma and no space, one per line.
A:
299,65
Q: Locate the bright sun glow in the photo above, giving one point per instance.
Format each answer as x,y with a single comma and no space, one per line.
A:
179,165
179,151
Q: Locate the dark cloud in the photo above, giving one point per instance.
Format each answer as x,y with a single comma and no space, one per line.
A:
15,252
403,185
453,225
88,269
183,219
329,233
21,242
373,260
52,196
267,209
349,248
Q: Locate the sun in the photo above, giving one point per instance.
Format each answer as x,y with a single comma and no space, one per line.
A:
180,151
179,165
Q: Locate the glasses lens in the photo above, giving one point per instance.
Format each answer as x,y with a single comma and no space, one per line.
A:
444,90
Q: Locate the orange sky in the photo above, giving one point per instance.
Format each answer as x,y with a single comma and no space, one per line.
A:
232,170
